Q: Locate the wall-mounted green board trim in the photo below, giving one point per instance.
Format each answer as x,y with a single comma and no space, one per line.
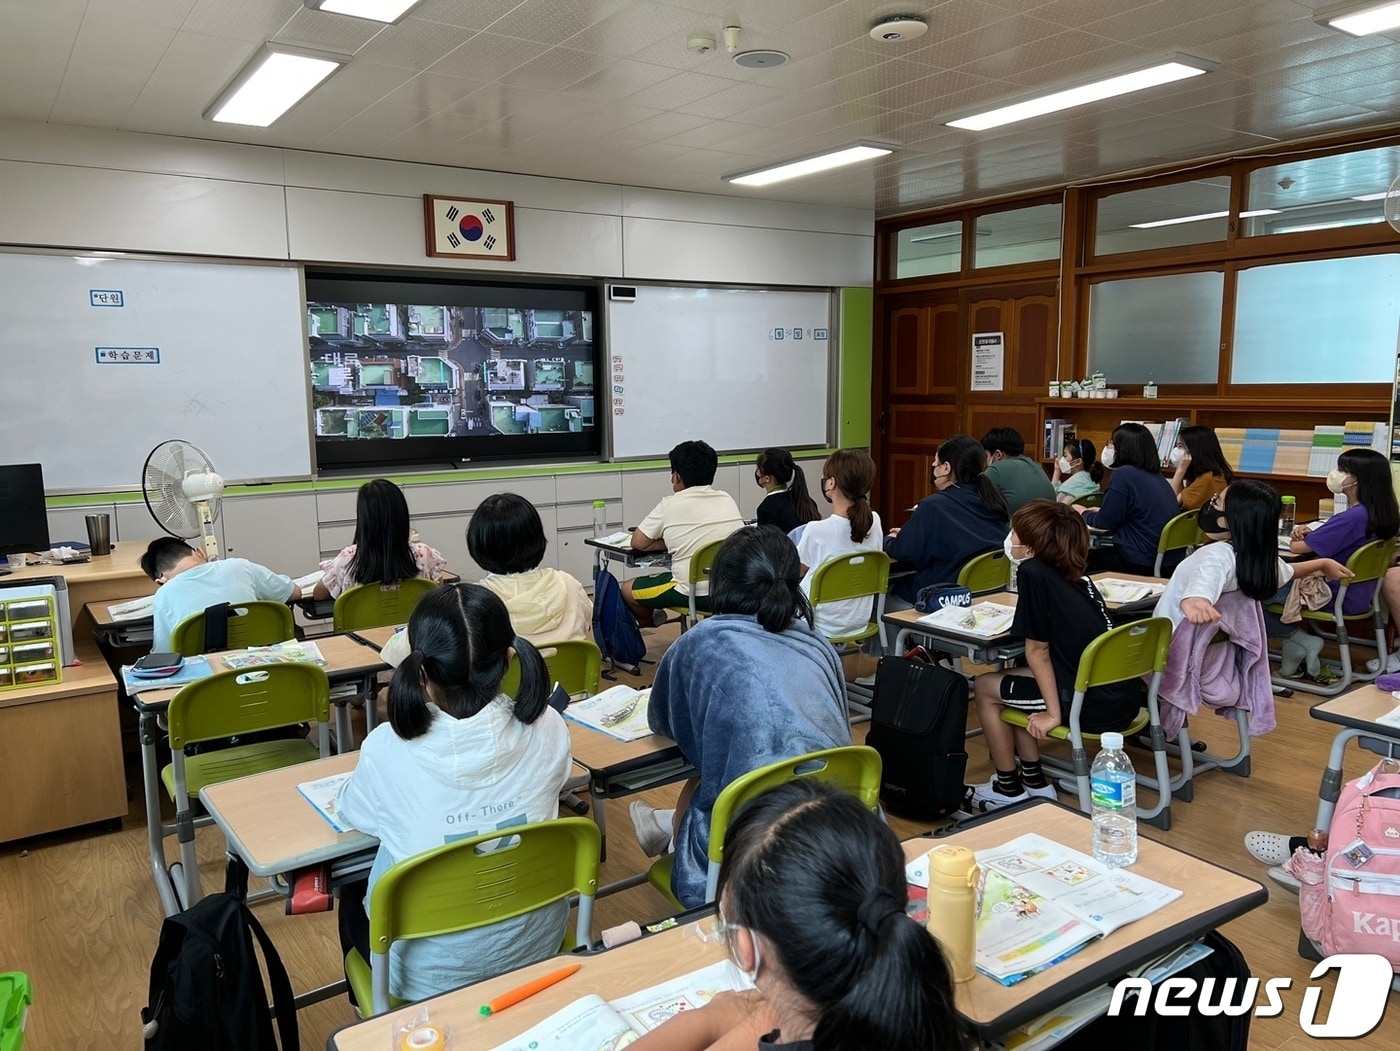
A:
857,355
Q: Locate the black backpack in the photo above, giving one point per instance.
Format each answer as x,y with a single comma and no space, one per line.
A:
918,724
206,991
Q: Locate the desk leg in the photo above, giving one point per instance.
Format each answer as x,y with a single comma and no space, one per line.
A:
155,830
598,789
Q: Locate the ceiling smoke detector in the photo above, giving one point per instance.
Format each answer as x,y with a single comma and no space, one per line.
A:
760,59
701,44
898,28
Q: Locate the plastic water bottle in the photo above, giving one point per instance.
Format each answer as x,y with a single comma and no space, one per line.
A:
953,875
1287,515
600,519
1114,790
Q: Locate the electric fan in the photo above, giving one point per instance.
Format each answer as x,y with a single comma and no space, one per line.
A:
183,492
1392,205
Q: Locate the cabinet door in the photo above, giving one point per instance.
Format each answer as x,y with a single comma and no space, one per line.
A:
909,351
908,484
945,344
1034,339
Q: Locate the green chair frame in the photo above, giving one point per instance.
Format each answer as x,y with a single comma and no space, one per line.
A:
1126,652
1180,533
859,574
1367,563
854,768
987,572
257,623
231,704
458,888
575,664
16,995
1089,500
378,605
700,563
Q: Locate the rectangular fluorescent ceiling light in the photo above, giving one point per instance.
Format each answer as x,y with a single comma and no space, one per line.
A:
1361,19
1199,218
389,11
1177,67
861,151
272,82
1338,224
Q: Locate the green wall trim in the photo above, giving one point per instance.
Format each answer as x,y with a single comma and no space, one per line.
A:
485,474
857,355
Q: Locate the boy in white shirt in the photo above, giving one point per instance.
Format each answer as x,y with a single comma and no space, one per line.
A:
853,526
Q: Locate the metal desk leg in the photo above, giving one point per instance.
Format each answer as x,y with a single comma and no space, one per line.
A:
155,830
598,790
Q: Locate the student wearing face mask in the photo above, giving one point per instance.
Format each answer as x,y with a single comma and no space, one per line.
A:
1019,478
1201,470
1136,506
1077,472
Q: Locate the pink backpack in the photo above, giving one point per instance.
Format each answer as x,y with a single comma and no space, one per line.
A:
1351,901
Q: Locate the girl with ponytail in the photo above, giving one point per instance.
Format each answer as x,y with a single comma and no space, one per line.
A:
787,504
457,758
812,895
749,686
853,526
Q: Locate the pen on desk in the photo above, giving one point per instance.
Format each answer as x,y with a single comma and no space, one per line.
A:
528,990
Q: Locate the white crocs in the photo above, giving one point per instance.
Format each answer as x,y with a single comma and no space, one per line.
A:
1269,847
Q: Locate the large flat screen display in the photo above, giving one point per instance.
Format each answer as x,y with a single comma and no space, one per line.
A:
430,370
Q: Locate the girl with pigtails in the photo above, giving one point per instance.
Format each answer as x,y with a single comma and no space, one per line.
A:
457,758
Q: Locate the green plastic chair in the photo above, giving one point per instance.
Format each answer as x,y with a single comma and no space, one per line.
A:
700,564
1367,563
233,704
1090,500
378,605
1182,533
987,572
16,995
458,887
1127,652
860,574
855,768
575,664
249,624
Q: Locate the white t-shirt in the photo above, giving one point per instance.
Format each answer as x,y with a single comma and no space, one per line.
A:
1206,573
687,521
825,540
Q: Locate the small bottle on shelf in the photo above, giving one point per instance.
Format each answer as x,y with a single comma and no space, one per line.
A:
1150,391
1287,515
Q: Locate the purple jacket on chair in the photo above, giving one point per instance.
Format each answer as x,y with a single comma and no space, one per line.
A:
1232,674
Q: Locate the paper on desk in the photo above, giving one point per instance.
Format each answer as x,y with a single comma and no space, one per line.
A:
282,653
1390,718
310,580
1114,590
136,609
617,539
984,619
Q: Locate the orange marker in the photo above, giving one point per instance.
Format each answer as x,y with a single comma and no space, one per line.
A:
528,990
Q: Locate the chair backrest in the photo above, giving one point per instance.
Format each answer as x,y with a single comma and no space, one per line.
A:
249,624
378,605
1370,561
459,886
990,571
1089,500
1180,532
232,703
575,664
1126,652
853,575
855,768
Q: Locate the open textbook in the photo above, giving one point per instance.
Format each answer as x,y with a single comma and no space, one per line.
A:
619,712
1123,591
133,609
599,1025
293,652
986,620
321,795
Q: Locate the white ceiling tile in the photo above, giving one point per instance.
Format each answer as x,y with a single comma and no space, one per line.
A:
619,79
165,14
467,14
414,44
636,26
326,32
488,56
246,19
558,68
118,43
553,21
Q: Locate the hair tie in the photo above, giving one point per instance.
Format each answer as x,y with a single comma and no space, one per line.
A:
878,906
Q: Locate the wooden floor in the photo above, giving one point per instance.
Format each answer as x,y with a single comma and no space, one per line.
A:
79,912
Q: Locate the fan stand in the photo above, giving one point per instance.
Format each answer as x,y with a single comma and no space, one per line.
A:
206,528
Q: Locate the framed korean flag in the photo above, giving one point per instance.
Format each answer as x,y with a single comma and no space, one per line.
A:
458,228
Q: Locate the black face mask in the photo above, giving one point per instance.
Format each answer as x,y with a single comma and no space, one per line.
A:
1211,521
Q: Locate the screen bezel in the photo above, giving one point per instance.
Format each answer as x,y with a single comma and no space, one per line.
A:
24,516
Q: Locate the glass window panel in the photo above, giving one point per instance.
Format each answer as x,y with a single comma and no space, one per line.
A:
1181,213
925,250
1321,321
1320,193
1157,328
1022,235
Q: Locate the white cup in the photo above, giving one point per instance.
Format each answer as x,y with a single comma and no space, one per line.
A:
17,561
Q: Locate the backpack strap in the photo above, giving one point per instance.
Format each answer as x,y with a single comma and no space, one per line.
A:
284,1006
216,627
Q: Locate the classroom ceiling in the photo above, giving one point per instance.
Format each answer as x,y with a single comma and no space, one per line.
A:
606,90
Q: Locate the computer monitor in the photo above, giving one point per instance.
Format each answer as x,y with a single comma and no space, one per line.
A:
24,520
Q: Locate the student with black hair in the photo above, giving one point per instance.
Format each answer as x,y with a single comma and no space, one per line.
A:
1137,505
1019,478
546,605
788,504
457,758
383,551
748,686
1201,468
812,897
1078,472
853,526
965,516
695,515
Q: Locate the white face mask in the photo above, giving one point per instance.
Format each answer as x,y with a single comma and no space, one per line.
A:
1008,547
1336,480
1065,466
1177,455
1107,457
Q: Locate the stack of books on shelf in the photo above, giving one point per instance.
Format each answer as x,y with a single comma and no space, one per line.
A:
1057,432
1298,453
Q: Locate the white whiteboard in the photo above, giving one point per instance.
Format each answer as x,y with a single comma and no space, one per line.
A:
739,368
232,373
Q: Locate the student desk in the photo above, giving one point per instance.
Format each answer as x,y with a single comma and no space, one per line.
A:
376,637
346,661
1210,897
1356,713
128,631
628,556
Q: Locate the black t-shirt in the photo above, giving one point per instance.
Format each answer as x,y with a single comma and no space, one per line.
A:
1069,615
777,510
769,1042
